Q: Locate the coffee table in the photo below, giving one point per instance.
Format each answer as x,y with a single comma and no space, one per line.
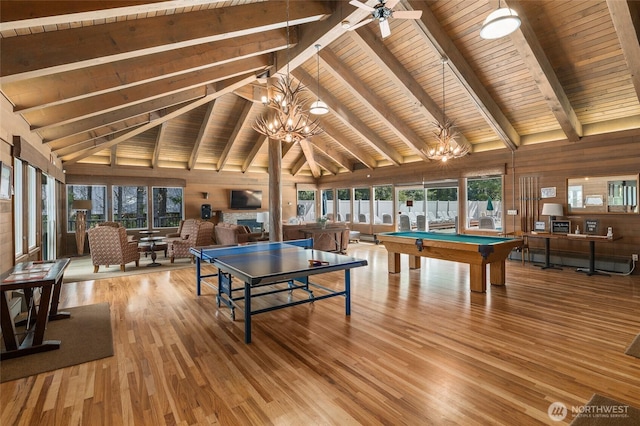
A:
151,245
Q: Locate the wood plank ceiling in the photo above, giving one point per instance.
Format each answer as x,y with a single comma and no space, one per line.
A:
174,83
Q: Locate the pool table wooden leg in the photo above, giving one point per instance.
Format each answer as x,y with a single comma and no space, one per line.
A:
497,273
414,261
394,262
478,277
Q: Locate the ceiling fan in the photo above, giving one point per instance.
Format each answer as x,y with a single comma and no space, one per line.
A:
382,12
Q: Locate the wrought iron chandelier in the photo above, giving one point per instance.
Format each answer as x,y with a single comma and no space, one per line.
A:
289,121
446,146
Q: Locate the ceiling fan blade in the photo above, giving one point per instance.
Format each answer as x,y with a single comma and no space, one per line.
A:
390,3
407,14
356,3
360,24
385,30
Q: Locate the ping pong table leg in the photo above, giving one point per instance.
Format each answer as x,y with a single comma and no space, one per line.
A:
347,291
247,313
198,276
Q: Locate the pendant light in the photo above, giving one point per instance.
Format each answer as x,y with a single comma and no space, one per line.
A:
500,23
318,107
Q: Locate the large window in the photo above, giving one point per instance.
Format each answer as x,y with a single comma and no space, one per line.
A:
383,204
410,202
168,207
361,205
441,206
97,194
306,209
130,206
484,203
18,205
31,207
327,204
344,205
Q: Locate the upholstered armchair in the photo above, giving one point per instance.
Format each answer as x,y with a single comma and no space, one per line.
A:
109,246
194,233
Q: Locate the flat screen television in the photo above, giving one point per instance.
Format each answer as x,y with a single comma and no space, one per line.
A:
245,199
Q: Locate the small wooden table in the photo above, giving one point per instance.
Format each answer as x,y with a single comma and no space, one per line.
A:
153,244
28,276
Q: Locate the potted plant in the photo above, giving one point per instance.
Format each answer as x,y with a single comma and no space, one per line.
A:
323,222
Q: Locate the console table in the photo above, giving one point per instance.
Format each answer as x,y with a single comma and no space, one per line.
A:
27,277
592,239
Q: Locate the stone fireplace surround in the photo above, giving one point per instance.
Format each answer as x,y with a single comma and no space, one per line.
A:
242,218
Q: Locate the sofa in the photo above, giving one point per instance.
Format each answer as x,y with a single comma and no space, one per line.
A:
230,233
193,233
334,237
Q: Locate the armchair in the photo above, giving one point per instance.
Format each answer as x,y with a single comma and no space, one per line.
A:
194,233
109,246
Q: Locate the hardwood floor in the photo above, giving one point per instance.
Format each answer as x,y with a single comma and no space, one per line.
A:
418,348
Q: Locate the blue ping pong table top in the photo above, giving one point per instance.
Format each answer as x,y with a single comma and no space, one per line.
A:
263,262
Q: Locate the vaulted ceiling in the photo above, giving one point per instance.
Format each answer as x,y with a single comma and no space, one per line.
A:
178,83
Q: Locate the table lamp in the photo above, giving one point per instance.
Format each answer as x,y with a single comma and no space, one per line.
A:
552,210
81,207
263,218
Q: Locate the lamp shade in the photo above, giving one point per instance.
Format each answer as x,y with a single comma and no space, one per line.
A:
81,205
500,23
552,209
262,217
319,108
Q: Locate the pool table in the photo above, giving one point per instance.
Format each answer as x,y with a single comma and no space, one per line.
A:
476,250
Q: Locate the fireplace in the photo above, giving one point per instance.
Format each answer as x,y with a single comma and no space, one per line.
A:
253,225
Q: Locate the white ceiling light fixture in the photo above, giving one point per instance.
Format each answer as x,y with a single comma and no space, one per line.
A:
318,107
289,122
500,23
446,146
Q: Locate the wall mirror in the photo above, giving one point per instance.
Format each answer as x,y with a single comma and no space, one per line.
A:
603,194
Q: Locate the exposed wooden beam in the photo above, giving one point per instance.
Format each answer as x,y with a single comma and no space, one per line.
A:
67,141
113,160
240,124
327,164
202,133
254,152
161,139
626,20
121,99
331,152
298,164
123,114
376,106
342,140
534,57
46,53
350,120
222,89
377,52
15,15
307,150
99,79
438,39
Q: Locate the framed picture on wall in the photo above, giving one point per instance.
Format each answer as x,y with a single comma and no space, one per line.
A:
549,192
5,181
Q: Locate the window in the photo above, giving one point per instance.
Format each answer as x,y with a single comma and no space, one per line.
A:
484,203
18,205
410,201
327,204
344,205
130,206
97,194
168,207
32,210
306,205
383,204
361,205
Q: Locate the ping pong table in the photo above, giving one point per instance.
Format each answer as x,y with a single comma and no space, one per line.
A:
268,268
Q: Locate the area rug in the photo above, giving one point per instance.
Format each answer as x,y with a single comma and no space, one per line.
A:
84,337
634,347
603,411
81,268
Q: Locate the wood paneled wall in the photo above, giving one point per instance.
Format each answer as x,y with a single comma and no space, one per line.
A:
6,217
